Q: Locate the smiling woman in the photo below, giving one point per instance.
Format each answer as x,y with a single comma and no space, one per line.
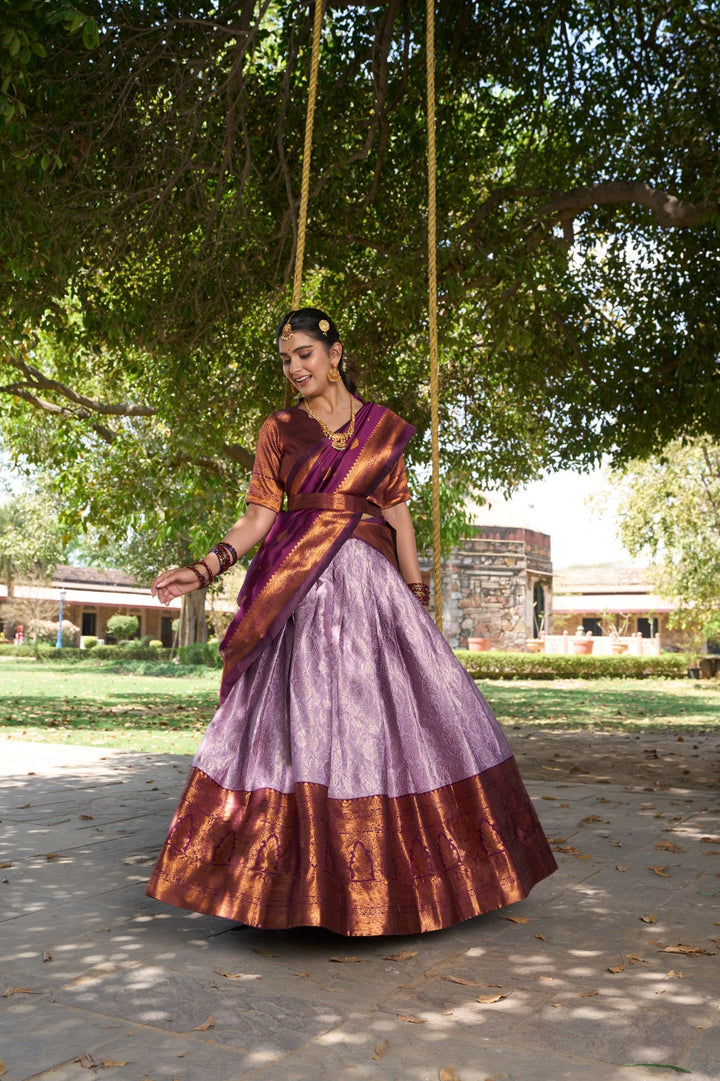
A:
353,776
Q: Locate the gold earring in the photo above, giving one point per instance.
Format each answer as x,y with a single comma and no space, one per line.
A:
334,375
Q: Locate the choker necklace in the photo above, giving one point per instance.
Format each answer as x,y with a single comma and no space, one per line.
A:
339,440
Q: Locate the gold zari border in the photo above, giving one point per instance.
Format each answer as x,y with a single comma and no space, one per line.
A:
369,866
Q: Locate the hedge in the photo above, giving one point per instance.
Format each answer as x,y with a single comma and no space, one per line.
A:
497,665
206,653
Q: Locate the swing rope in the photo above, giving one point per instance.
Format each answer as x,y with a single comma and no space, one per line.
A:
432,316
432,266
307,153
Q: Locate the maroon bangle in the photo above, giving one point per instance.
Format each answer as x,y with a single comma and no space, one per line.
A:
202,563
199,576
421,592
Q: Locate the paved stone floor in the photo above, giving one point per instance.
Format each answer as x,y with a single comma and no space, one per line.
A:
609,965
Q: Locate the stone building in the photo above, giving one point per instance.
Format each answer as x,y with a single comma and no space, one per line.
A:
497,584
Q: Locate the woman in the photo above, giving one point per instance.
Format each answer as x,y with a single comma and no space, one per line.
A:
353,776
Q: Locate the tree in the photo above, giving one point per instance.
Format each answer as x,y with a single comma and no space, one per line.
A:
150,180
123,627
670,512
32,538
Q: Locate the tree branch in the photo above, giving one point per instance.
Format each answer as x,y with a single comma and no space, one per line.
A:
671,212
112,409
19,391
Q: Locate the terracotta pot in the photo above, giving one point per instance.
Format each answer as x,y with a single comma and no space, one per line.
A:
619,647
478,645
582,645
534,645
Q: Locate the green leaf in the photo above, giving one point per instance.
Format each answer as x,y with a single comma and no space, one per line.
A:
90,34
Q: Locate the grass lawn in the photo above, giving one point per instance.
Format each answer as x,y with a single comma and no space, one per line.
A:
633,705
97,705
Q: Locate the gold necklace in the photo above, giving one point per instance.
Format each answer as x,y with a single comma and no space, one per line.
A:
339,440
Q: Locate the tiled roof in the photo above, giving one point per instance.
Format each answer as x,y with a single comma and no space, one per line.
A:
92,576
602,579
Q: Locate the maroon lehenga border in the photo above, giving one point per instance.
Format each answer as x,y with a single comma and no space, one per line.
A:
373,865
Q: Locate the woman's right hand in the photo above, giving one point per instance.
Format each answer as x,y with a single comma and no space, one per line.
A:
174,583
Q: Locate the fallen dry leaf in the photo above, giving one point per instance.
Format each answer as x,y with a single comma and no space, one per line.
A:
238,975
649,919
517,919
344,960
557,840
572,850
87,1062
303,974
412,1020
673,975
87,818
556,1005
210,1023
109,1062
593,818
669,846
635,958
688,951
404,956
589,994
616,968
46,957
488,999
466,983
264,953
4,865
662,871
3,1068
541,937
52,855
380,1049
621,867
19,991
448,1074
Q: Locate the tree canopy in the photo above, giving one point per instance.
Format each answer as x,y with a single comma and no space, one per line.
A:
149,178
670,513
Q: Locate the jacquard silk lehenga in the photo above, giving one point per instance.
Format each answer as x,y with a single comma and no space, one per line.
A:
353,776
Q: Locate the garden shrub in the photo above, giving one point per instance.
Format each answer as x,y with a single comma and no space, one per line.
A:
200,653
155,643
90,641
123,627
45,630
497,665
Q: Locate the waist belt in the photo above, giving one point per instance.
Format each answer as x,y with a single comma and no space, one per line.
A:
339,502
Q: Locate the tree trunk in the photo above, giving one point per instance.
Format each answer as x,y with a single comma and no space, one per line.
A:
193,625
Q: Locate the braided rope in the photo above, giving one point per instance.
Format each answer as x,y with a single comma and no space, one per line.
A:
432,316
307,154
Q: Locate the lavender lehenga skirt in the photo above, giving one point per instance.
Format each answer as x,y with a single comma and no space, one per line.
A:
354,778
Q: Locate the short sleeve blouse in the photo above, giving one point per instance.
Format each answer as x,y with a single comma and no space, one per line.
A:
267,486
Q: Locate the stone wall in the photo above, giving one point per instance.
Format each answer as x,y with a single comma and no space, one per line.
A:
488,584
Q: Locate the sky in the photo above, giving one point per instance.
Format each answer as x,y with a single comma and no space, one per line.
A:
577,510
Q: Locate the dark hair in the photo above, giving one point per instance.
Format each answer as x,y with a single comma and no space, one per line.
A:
307,320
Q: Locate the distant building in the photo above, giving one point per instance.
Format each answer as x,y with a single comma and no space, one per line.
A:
497,584
92,596
600,598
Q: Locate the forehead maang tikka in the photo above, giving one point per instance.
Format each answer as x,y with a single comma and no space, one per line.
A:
286,332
